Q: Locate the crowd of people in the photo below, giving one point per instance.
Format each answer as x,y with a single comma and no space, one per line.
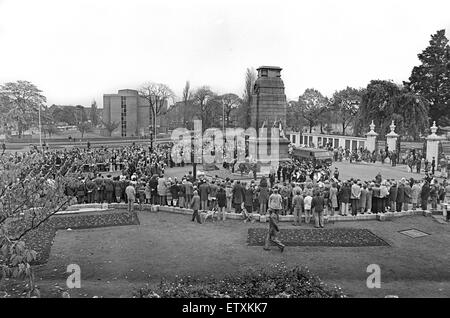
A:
306,189
414,159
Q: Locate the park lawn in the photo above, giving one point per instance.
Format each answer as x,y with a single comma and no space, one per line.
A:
116,261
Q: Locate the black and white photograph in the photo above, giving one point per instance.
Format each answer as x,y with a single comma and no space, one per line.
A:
224,156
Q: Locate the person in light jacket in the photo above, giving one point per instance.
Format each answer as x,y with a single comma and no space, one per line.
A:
415,194
263,195
298,204
363,199
195,206
334,198
162,190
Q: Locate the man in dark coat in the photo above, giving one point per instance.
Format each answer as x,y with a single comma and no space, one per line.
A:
238,196
81,191
424,195
154,189
204,192
117,190
393,191
344,197
90,190
400,197
109,189
99,183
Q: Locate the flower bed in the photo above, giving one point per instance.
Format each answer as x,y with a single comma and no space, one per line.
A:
333,237
276,281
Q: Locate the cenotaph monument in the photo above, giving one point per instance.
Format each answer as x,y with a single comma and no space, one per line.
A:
268,111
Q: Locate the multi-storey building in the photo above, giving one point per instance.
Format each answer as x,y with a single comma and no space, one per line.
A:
131,112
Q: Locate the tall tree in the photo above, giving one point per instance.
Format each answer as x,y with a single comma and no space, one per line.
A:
377,104
94,114
313,105
431,79
294,118
81,120
22,101
384,101
64,114
48,122
250,78
230,102
345,104
110,127
204,99
411,114
158,96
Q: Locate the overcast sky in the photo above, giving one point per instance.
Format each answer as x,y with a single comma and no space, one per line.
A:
77,50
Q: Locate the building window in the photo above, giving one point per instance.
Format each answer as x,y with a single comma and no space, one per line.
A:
347,144
336,143
123,115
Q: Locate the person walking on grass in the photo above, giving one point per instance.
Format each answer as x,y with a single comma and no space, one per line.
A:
195,205
272,234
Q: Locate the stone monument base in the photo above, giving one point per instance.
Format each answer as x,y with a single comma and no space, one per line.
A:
265,158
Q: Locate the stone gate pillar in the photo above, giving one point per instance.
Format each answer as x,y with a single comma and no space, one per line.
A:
433,144
391,138
371,138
